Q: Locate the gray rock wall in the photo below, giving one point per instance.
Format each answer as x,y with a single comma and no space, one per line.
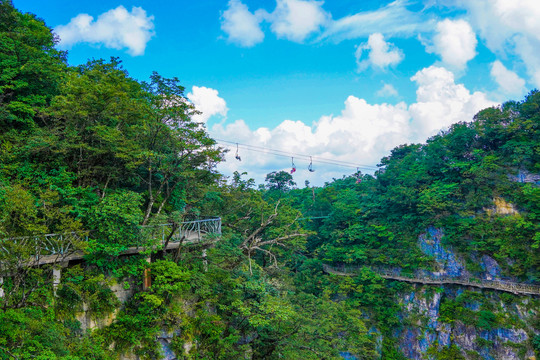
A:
423,328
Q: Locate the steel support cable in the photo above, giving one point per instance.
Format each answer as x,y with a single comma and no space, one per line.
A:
282,153
289,154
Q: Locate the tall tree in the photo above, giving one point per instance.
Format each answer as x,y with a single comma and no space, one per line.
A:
279,180
31,68
179,154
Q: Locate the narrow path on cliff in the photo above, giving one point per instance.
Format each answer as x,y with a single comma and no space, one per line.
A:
501,285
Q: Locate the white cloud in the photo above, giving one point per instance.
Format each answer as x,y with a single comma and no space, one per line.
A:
509,28
528,50
241,26
455,42
392,19
509,82
116,29
381,54
361,134
208,102
387,90
441,102
296,19
500,20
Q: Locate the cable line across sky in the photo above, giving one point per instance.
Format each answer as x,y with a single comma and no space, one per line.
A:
264,150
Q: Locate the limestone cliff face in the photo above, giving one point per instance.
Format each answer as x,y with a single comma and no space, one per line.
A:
90,321
450,264
507,338
425,329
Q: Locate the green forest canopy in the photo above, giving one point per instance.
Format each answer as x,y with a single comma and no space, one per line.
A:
90,148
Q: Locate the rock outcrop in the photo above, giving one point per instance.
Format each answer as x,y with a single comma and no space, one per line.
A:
424,330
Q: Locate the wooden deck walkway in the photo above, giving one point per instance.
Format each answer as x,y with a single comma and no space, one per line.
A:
501,285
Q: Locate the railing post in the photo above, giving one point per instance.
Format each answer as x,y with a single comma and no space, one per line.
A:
2,287
199,231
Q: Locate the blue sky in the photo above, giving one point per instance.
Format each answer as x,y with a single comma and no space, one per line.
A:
337,80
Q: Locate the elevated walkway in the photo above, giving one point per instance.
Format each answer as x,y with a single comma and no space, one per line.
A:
53,248
501,285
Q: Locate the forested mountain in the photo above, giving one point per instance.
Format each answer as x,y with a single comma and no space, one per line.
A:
464,205
88,150
455,181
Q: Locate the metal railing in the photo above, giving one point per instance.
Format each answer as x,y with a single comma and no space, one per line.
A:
188,232
502,285
45,244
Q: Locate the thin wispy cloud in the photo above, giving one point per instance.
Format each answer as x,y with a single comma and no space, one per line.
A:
388,90
300,20
392,19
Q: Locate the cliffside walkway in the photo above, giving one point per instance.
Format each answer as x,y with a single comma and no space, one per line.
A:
501,285
53,248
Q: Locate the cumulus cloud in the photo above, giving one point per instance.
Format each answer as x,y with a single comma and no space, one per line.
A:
381,54
509,82
387,90
455,42
241,26
509,28
362,133
296,19
293,20
116,29
441,102
208,102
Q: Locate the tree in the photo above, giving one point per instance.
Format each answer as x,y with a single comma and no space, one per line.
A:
99,119
179,152
279,180
265,230
31,68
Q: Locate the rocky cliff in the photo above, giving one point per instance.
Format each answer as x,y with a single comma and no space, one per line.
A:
448,322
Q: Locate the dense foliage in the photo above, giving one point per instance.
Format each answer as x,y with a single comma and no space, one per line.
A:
88,150
456,181
477,183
